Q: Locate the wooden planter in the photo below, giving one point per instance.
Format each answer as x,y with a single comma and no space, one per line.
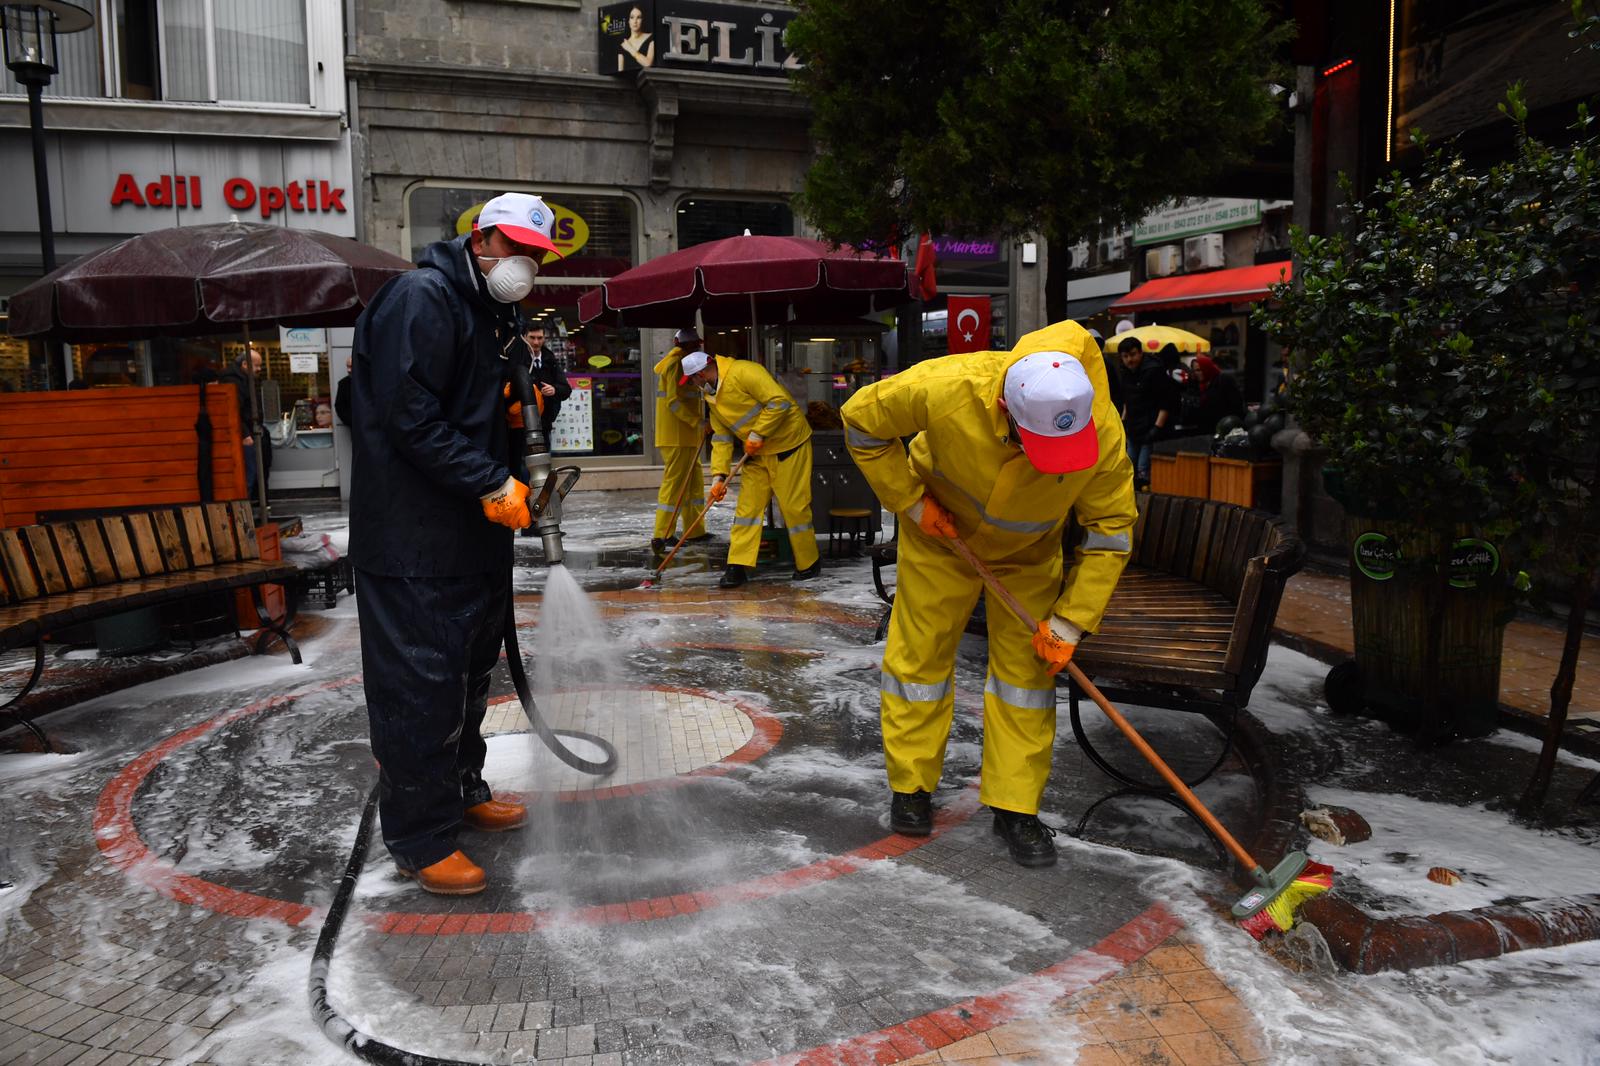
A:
1193,475
1164,474
1246,483
1389,610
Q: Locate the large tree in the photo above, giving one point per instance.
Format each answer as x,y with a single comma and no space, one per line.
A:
1016,116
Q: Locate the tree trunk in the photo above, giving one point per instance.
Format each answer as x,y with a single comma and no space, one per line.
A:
1058,264
1560,697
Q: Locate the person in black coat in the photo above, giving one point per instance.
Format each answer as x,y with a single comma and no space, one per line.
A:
432,506
547,376
252,431
1149,402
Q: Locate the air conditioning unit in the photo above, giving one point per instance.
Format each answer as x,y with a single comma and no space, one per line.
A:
1203,252
1162,261
1114,249
1080,255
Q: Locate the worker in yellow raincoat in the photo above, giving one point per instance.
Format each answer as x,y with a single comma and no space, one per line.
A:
1005,445
680,431
749,406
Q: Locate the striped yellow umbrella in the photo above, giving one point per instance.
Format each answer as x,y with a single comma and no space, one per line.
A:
1155,338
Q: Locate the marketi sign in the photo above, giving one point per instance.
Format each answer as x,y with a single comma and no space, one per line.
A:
683,34
240,194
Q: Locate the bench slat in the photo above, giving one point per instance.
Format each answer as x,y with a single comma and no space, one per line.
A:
19,571
45,563
95,554
244,522
197,535
219,521
123,557
169,538
143,529
73,563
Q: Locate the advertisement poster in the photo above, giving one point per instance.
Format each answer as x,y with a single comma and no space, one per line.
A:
573,429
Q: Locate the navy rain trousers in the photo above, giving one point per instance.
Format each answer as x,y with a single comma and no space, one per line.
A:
439,638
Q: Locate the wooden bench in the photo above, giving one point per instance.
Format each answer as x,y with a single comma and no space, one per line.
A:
65,573
1190,623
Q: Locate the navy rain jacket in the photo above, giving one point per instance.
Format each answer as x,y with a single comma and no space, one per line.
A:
429,435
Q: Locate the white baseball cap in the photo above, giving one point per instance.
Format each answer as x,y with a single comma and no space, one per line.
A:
693,363
1050,397
523,217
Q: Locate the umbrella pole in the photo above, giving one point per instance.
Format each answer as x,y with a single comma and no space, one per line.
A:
754,353
257,430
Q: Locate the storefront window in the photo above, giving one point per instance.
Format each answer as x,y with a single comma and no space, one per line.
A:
597,236
18,371
710,220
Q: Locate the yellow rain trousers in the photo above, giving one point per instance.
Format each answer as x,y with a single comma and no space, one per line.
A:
1013,518
748,400
679,416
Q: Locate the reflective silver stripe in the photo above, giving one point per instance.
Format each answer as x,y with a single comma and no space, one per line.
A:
1108,542
664,508
747,416
778,405
890,685
677,407
855,438
802,529
721,438
1006,524
1033,699
741,521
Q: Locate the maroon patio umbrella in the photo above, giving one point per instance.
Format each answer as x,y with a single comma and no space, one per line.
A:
739,280
204,279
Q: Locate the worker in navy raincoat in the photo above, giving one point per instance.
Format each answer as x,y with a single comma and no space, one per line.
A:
433,503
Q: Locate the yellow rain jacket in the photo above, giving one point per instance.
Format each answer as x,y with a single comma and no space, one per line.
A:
749,400
1012,516
680,418
679,412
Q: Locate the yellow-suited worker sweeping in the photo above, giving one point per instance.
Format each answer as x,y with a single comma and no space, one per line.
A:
1006,444
680,431
749,407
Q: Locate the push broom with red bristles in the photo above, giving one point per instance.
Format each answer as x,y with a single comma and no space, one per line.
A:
654,579
1279,892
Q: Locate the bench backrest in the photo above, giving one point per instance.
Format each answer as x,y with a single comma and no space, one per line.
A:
58,557
1203,540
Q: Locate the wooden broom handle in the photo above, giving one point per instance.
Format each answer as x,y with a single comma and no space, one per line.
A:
709,504
1173,781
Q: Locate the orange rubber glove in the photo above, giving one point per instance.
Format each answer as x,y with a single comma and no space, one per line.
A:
932,518
753,443
719,489
508,505
1055,652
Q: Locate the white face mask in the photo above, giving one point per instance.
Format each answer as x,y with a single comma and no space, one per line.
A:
511,277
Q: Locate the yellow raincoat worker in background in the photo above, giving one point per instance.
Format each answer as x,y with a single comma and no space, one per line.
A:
749,406
680,431
1006,444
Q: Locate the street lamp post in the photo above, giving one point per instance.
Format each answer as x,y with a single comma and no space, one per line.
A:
29,31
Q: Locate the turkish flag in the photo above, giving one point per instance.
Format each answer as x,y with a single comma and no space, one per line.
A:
924,286
968,324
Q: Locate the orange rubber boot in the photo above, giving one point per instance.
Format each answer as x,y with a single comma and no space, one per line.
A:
496,816
453,875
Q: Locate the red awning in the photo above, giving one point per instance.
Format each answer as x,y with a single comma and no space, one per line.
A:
1236,286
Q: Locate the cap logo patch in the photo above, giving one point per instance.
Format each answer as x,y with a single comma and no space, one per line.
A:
1064,421
536,216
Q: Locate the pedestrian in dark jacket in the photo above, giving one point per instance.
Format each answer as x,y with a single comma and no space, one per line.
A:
547,376
252,431
1149,401
432,505
341,397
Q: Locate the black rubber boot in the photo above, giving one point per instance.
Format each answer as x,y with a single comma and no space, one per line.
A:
696,540
809,572
658,545
732,577
1029,839
911,813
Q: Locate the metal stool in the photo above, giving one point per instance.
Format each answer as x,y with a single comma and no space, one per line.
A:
859,521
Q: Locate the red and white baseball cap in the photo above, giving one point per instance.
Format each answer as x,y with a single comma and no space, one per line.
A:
523,217
1050,397
692,364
